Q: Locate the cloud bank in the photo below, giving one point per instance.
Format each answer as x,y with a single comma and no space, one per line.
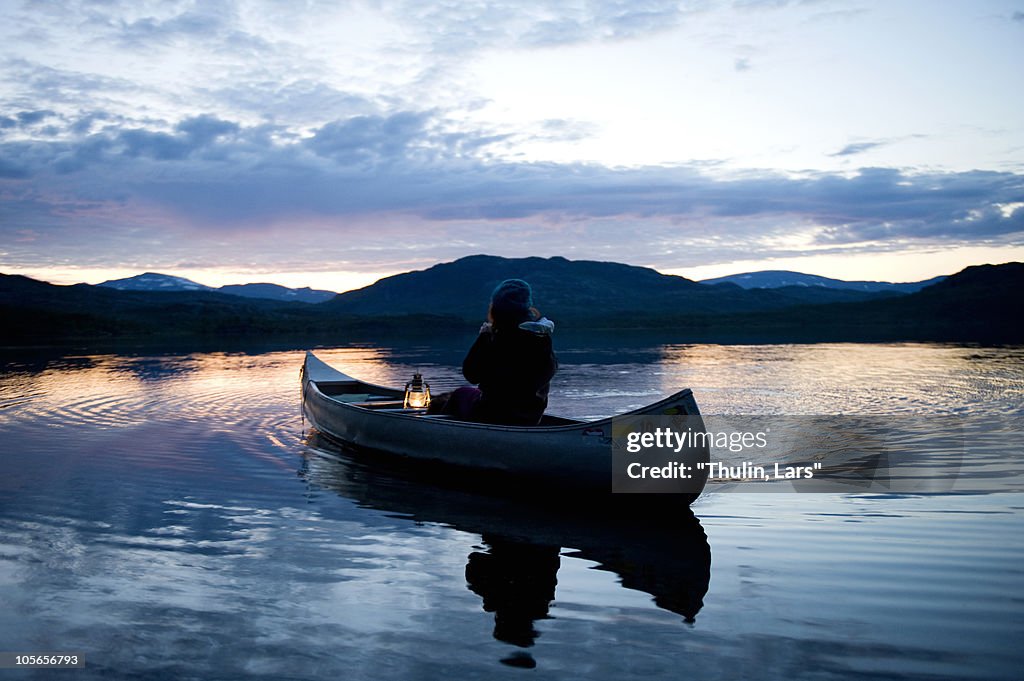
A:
256,135
411,175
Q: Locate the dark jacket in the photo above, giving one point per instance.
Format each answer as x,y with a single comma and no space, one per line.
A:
513,368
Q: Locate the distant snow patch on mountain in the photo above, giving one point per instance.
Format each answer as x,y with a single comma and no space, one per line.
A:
154,281
782,278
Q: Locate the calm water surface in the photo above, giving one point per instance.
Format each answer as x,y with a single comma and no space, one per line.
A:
171,517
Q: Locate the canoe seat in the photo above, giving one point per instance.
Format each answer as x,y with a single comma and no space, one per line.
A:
352,397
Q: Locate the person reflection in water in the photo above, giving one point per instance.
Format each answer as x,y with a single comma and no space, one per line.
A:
516,581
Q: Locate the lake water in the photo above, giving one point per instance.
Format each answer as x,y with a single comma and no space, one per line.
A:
170,516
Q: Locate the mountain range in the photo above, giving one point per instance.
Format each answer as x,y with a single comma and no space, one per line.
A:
153,281
981,303
580,291
782,278
766,279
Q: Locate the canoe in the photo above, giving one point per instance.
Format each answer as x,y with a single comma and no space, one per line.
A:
564,453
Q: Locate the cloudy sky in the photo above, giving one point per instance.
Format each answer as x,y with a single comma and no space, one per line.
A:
329,143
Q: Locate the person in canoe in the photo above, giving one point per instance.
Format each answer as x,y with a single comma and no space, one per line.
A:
512,362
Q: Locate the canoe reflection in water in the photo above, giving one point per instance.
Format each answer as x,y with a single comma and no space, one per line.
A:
651,542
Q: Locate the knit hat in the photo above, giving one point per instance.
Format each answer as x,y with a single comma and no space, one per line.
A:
512,297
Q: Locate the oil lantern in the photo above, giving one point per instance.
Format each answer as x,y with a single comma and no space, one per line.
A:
417,393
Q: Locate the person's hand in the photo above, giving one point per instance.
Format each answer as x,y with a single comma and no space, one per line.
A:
486,327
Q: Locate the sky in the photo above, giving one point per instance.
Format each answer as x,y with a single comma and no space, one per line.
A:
328,144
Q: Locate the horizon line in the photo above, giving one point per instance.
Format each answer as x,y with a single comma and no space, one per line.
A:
32,273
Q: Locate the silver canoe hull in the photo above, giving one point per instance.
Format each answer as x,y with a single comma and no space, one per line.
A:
562,452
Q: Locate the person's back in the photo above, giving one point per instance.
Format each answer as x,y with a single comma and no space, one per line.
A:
512,359
513,367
